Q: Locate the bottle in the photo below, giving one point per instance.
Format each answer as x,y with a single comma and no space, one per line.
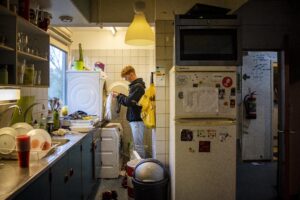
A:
56,124
3,74
29,75
21,72
43,122
80,53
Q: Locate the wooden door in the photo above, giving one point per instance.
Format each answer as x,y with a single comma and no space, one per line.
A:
289,126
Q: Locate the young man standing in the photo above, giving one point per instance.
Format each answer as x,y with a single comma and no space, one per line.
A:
133,115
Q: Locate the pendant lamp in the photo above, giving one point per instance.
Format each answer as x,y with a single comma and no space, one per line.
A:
139,33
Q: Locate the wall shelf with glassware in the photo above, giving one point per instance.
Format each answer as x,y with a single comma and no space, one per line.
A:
22,41
29,56
4,47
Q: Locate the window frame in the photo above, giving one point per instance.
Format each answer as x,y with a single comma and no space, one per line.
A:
59,45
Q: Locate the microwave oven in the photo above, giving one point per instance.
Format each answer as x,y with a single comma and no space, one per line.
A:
207,42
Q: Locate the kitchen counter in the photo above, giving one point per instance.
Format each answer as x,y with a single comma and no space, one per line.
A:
14,179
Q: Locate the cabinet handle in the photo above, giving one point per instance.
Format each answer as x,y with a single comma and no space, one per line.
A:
92,147
66,178
71,172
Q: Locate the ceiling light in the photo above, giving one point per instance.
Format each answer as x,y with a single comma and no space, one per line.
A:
139,32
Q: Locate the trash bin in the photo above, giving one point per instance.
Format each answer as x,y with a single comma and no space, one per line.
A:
150,180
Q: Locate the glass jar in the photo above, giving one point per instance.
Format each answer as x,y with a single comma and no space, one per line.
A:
29,75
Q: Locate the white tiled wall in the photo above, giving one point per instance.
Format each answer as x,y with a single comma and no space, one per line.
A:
115,59
164,59
41,96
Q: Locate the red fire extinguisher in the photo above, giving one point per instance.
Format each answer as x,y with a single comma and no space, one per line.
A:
250,105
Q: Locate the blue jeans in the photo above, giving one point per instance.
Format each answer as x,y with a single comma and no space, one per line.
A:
137,129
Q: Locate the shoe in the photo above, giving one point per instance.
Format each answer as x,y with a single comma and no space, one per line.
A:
107,195
124,182
114,195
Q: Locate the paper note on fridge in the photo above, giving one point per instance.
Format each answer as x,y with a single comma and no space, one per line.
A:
201,100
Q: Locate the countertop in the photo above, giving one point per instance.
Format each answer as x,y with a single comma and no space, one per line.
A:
13,178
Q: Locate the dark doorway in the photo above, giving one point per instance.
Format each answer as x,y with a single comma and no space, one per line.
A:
257,165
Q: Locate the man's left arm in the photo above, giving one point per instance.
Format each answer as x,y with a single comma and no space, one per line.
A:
133,98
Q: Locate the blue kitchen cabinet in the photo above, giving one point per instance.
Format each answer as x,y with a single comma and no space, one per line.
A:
40,189
59,179
66,176
87,162
74,182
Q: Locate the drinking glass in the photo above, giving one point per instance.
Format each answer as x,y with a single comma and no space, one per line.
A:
23,149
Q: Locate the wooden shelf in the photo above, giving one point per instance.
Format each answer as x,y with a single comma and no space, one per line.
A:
32,57
11,24
29,27
5,11
6,47
18,86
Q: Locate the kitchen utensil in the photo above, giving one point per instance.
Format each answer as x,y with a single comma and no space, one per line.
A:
22,127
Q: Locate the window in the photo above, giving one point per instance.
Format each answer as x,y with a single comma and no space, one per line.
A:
58,63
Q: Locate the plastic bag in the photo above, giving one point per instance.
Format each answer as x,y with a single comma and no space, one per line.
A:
112,108
147,102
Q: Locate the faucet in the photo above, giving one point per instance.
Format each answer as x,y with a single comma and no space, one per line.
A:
10,107
29,107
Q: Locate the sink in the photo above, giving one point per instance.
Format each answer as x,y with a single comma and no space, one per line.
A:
60,141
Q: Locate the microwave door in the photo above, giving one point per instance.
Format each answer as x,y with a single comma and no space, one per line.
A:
202,45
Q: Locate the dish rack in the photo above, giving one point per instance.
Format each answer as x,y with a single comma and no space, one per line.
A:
34,155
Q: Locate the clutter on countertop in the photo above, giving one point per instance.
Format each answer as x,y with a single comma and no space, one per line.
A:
60,132
99,66
76,115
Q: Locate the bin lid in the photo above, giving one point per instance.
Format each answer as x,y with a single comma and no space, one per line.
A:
149,170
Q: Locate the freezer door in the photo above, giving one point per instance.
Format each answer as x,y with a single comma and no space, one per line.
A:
205,160
204,94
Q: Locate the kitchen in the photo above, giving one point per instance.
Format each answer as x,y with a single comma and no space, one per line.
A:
254,37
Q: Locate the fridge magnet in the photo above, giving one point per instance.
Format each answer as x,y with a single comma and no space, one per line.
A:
221,93
227,82
186,135
232,103
204,146
211,133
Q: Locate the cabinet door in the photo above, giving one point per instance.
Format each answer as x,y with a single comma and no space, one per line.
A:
74,183
59,179
40,189
88,179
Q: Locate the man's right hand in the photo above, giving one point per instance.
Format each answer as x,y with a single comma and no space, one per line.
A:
115,94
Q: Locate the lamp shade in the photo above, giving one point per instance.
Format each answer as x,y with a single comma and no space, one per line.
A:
139,32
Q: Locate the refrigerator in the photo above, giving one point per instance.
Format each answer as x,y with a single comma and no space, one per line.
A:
202,156
85,92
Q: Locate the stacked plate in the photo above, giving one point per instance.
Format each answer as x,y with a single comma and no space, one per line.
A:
39,138
22,127
7,140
